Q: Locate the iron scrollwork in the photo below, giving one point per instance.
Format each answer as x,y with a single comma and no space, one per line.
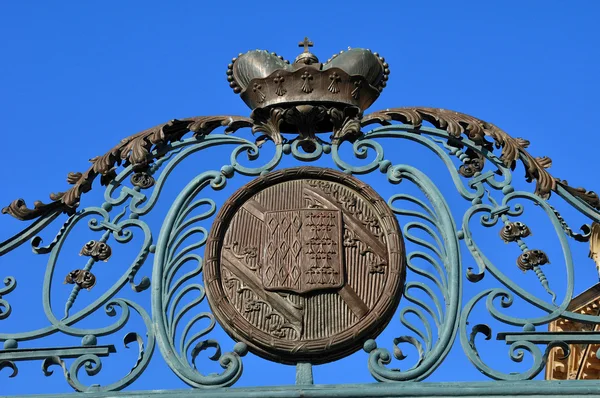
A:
443,254
290,116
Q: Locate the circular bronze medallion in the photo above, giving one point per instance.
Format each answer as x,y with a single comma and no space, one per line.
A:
304,264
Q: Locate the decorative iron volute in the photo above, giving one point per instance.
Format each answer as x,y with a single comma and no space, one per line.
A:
351,78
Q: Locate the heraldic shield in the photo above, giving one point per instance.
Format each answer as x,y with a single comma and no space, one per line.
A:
303,250
304,264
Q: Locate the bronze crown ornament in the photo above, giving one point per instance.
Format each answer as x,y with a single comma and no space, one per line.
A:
350,79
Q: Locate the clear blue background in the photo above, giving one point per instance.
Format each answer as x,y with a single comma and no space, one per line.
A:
77,77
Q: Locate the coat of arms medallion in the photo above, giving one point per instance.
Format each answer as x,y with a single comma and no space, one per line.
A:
304,264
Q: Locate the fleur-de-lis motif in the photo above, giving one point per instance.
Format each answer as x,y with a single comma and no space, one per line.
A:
333,86
356,92
259,94
306,79
279,81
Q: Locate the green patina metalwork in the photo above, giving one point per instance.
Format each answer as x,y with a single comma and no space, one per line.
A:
441,316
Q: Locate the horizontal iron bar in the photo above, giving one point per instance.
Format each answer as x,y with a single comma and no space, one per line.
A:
26,354
549,337
482,177
500,210
496,389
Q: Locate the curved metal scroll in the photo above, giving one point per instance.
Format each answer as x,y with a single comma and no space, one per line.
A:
176,248
431,313
446,280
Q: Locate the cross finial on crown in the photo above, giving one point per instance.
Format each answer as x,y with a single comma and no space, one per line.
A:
306,43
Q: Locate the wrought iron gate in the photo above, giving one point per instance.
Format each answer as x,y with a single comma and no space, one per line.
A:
479,159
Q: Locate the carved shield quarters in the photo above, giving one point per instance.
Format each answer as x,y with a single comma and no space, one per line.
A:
304,264
302,251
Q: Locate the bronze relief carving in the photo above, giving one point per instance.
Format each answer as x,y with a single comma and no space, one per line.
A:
333,86
304,264
306,78
278,80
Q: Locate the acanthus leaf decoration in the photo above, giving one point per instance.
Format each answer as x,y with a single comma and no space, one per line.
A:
268,121
19,210
523,143
346,124
513,149
589,197
106,178
135,150
402,115
456,124
73,177
536,170
205,125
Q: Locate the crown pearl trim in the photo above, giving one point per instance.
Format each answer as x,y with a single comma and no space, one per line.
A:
264,79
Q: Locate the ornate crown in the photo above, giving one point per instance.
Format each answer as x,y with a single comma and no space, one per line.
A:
350,78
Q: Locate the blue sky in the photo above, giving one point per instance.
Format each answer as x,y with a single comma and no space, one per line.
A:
77,77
